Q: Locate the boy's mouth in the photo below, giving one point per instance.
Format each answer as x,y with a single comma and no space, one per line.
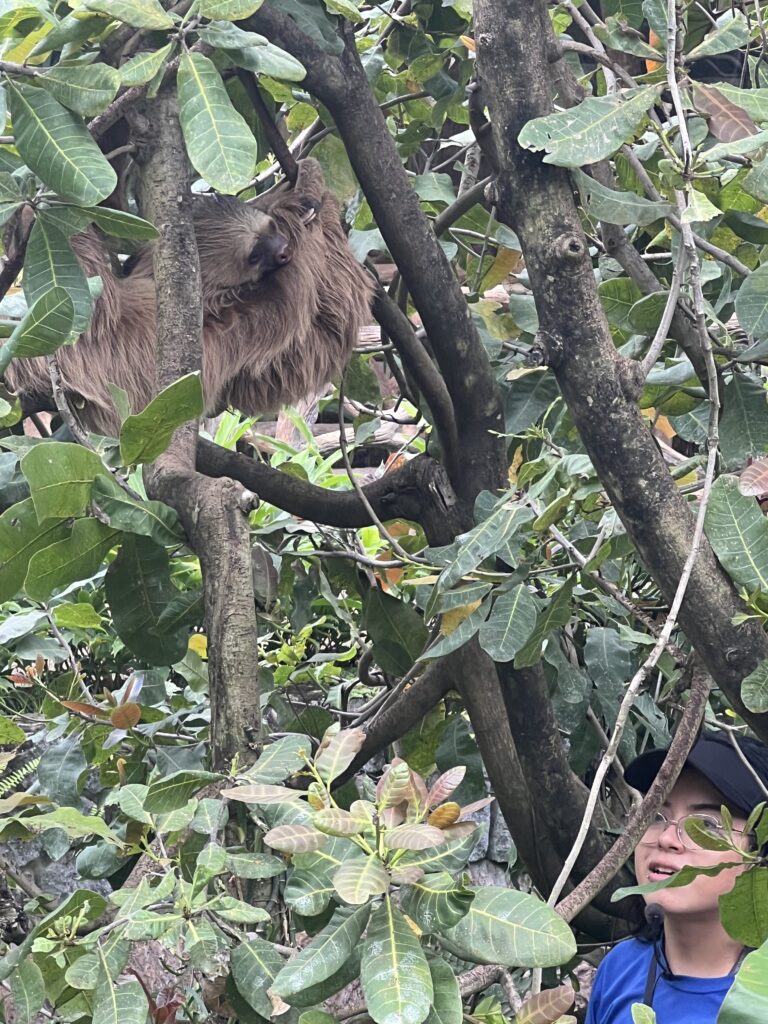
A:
659,872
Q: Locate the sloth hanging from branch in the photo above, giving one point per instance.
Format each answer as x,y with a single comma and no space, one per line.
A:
283,303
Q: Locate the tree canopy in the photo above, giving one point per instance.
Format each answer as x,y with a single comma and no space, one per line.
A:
273,688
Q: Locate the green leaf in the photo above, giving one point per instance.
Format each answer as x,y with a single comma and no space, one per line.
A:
268,60
340,752
437,902
47,325
174,790
357,880
146,435
254,865
738,533
556,614
139,590
747,1000
516,929
509,625
85,89
152,519
74,823
732,33
60,476
451,856
485,539
280,759
744,423
235,910
144,66
122,225
744,910
754,689
27,992
137,13
125,1003
446,1002
10,734
255,965
20,537
228,10
591,131
752,303
76,616
310,884
325,955
57,146
220,145
78,557
606,204
50,263
397,983
397,630
619,297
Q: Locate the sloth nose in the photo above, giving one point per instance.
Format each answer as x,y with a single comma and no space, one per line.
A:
279,250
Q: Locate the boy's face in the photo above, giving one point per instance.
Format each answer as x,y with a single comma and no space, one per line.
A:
662,852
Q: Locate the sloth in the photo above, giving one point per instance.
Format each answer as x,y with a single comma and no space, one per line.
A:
283,303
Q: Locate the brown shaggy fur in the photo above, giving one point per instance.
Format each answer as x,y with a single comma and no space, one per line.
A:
283,302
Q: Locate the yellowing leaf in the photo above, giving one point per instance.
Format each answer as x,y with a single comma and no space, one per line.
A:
198,643
453,619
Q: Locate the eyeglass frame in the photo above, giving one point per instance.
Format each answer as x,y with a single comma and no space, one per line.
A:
682,835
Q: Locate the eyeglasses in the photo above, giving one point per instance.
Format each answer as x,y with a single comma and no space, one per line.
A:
712,826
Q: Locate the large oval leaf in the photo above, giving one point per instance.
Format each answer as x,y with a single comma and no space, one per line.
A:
451,856
21,535
125,1003
85,89
60,477
357,880
56,145
738,533
47,324
505,926
77,557
147,434
589,132
325,955
747,999
446,1001
752,303
137,13
295,839
437,902
281,759
255,965
50,263
396,979
220,144
510,624
339,753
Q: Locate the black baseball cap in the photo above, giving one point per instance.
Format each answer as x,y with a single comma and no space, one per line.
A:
713,755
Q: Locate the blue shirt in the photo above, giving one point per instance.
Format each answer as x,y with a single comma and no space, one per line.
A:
621,979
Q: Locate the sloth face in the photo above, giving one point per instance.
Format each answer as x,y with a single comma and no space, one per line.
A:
238,244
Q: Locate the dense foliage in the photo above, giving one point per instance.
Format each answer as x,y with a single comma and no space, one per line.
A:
490,622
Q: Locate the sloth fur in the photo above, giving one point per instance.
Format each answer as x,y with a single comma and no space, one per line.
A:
283,303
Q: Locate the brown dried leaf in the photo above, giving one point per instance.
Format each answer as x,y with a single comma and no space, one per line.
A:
446,784
126,716
727,122
547,1006
89,710
444,815
295,839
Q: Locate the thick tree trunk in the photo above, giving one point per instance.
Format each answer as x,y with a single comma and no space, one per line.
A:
535,199
214,512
